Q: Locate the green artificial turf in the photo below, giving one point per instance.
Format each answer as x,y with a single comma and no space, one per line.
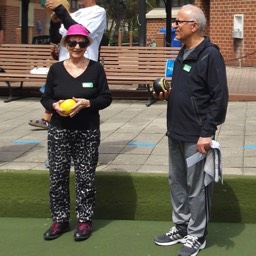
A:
125,196
24,237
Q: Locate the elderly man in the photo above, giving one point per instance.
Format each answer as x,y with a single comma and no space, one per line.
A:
197,104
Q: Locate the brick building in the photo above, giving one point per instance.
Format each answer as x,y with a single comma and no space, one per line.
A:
231,24
38,19
10,11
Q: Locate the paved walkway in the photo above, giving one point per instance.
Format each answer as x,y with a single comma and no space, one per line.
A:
133,135
241,82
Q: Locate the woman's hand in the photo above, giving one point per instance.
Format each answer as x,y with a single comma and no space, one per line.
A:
58,109
81,103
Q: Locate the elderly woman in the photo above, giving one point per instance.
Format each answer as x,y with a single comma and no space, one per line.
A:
74,135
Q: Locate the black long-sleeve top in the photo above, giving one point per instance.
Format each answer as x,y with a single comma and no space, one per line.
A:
91,84
65,18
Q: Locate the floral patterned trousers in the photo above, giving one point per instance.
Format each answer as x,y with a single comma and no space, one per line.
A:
81,146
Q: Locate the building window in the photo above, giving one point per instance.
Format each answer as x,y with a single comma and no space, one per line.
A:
175,3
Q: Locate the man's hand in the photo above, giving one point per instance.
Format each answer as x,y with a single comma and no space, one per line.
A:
52,4
55,18
162,95
55,51
204,144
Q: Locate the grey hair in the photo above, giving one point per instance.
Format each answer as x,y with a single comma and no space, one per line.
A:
196,14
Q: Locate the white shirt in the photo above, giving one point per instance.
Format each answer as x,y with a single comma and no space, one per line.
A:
94,19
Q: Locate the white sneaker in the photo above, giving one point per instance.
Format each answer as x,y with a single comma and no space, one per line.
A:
192,246
173,236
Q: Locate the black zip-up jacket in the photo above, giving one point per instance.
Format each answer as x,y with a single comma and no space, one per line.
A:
199,94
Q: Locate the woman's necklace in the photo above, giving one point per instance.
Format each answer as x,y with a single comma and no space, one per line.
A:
78,64
75,69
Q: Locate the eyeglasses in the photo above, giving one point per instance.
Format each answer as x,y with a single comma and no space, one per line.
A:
178,22
73,44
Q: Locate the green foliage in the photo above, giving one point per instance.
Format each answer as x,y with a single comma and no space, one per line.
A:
122,16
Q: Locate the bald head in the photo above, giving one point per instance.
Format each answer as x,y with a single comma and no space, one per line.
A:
194,13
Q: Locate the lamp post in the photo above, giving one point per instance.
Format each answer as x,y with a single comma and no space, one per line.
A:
168,9
141,4
142,22
24,21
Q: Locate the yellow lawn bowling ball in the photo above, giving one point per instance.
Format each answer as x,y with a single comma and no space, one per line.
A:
66,105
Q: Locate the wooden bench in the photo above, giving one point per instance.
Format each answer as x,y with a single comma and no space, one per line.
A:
123,65
17,61
136,65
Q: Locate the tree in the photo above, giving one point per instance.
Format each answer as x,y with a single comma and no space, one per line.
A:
122,16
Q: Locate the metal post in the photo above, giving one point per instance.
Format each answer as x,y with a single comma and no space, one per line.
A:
168,8
142,30
24,21
142,22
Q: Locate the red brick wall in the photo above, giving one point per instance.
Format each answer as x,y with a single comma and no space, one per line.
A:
153,27
221,20
9,34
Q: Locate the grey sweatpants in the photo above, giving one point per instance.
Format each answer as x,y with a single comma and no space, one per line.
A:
191,200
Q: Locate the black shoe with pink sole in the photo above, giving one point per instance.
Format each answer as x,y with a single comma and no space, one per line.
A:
56,230
83,231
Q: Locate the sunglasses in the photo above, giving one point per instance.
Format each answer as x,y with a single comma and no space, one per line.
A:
73,44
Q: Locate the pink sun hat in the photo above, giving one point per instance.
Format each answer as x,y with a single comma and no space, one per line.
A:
76,30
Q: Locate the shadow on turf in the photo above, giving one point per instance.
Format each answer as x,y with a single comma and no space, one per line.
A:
116,196
226,208
223,234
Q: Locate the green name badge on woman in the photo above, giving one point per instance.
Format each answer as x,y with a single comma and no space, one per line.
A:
87,85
